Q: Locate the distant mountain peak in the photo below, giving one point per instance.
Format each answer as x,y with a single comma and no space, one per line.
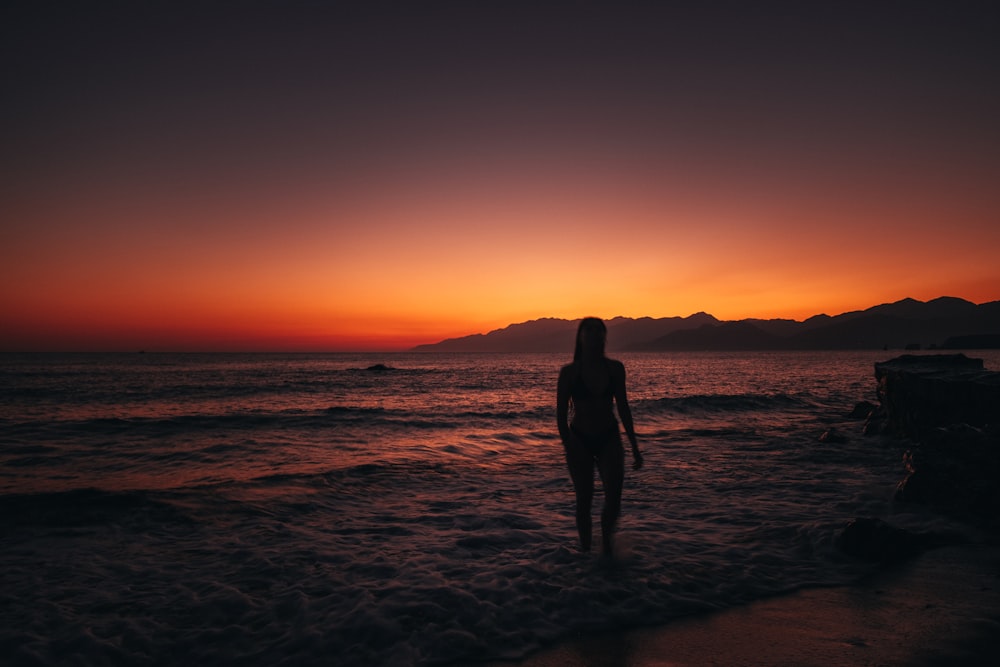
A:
896,325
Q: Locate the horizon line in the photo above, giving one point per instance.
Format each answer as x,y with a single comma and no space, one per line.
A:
236,349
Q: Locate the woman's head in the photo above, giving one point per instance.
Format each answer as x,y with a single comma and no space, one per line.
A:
590,337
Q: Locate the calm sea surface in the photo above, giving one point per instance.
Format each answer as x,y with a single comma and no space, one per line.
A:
270,509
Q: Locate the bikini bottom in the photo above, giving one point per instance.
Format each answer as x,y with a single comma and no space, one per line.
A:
598,446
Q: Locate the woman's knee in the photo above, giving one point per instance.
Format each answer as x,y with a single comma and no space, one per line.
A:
581,471
611,510
613,473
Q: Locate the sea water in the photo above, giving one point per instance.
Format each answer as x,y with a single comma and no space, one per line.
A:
281,509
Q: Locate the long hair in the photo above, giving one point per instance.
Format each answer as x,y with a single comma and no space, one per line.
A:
585,322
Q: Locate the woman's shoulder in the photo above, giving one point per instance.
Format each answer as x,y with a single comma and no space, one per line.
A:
615,366
567,374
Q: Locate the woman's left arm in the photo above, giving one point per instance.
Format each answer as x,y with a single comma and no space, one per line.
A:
625,412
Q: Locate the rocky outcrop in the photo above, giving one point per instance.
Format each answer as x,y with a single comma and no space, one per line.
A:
919,393
948,406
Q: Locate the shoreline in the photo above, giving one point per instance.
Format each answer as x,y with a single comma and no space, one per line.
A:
940,608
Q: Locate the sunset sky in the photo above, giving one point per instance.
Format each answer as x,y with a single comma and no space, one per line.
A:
304,176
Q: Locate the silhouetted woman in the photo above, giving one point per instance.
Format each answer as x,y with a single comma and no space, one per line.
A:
592,383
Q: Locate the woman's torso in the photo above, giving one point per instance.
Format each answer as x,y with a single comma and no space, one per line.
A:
592,390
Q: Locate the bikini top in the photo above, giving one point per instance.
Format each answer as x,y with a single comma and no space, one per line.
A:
580,390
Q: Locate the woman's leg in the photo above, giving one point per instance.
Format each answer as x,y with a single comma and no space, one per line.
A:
581,471
611,466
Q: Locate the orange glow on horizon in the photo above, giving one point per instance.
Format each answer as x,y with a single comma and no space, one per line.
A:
429,267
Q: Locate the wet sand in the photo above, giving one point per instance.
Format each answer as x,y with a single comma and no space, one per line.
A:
942,608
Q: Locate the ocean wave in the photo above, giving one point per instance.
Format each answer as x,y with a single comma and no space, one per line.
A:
395,471
25,430
708,403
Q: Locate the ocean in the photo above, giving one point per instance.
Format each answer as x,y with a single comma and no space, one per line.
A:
309,509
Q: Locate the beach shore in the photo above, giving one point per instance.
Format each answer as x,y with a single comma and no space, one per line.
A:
942,608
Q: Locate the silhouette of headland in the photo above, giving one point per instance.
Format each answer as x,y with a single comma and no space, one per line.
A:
942,323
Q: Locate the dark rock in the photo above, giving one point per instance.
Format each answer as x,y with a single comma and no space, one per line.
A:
875,423
832,435
862,410
380,367
956,469
875,540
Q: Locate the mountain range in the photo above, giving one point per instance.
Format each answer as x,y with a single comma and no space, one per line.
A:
942,323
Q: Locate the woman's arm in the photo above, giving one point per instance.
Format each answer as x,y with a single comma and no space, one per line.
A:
624,411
